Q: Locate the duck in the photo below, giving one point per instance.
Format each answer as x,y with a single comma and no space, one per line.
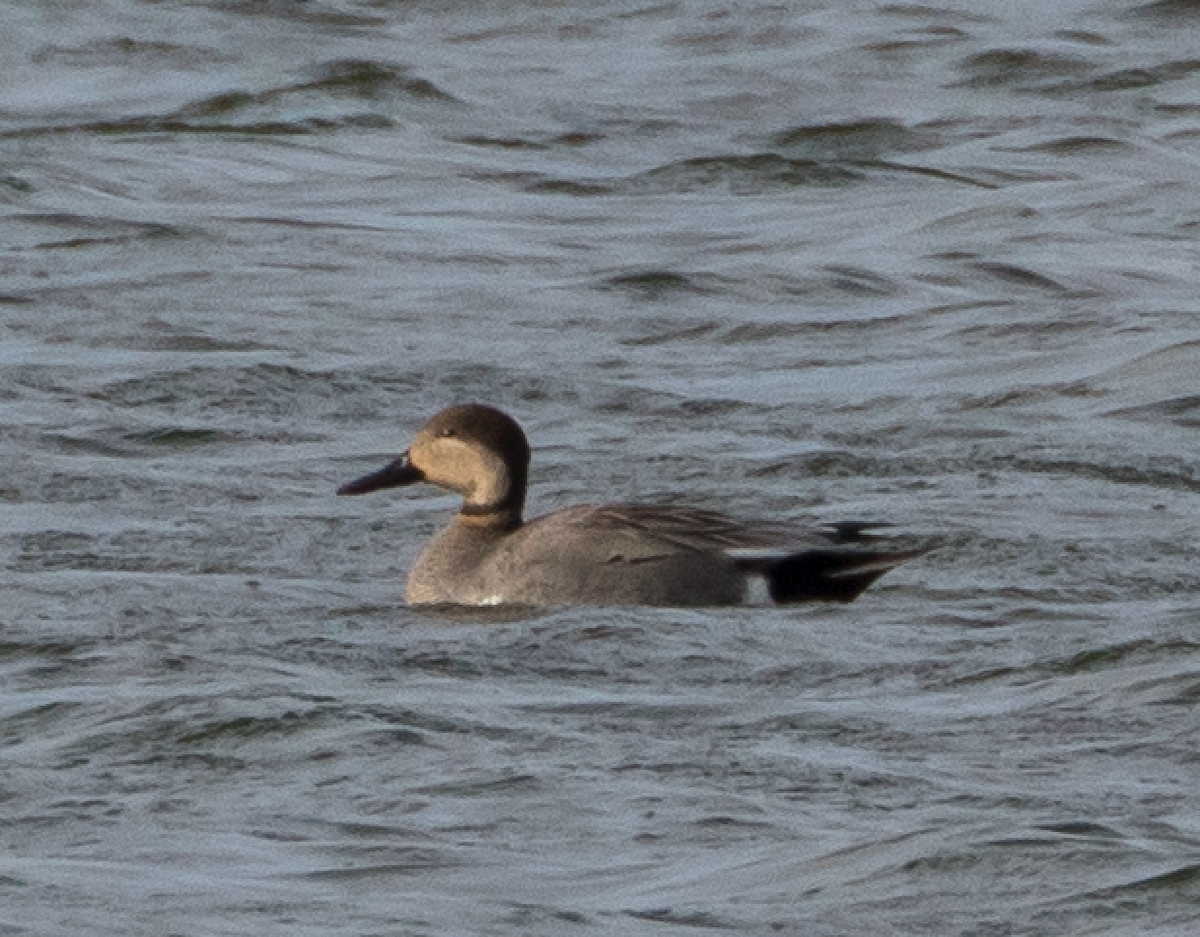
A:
607,554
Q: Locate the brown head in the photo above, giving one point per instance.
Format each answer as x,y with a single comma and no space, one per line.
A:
474,450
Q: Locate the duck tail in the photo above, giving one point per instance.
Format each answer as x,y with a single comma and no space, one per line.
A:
829,575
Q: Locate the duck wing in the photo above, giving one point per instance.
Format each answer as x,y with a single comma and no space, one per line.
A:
800,563
708,531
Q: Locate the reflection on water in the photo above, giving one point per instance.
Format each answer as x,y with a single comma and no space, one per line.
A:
923,264
480,614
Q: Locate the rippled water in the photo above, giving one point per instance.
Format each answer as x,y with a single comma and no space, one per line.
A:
931,264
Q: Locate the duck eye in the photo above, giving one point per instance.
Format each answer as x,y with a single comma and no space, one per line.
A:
447,433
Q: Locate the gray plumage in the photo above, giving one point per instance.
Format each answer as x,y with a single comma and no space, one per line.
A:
615,554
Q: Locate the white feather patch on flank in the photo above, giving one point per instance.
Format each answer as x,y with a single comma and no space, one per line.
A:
760,553
757,592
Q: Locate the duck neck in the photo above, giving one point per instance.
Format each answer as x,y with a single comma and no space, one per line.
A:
504,514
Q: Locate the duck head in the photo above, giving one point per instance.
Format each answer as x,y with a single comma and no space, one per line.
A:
474,450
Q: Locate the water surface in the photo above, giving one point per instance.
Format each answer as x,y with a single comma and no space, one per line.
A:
930,264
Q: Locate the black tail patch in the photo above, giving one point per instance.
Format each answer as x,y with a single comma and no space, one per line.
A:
828,575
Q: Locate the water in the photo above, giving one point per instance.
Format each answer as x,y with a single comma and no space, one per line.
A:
928,264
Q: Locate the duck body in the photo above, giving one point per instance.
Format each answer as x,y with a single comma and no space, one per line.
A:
582,555
617,554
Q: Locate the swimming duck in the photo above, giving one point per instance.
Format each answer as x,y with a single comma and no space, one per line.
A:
613,554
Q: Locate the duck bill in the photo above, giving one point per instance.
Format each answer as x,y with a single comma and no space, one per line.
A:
394,475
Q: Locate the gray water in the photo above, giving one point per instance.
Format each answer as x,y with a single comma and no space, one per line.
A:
929,264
